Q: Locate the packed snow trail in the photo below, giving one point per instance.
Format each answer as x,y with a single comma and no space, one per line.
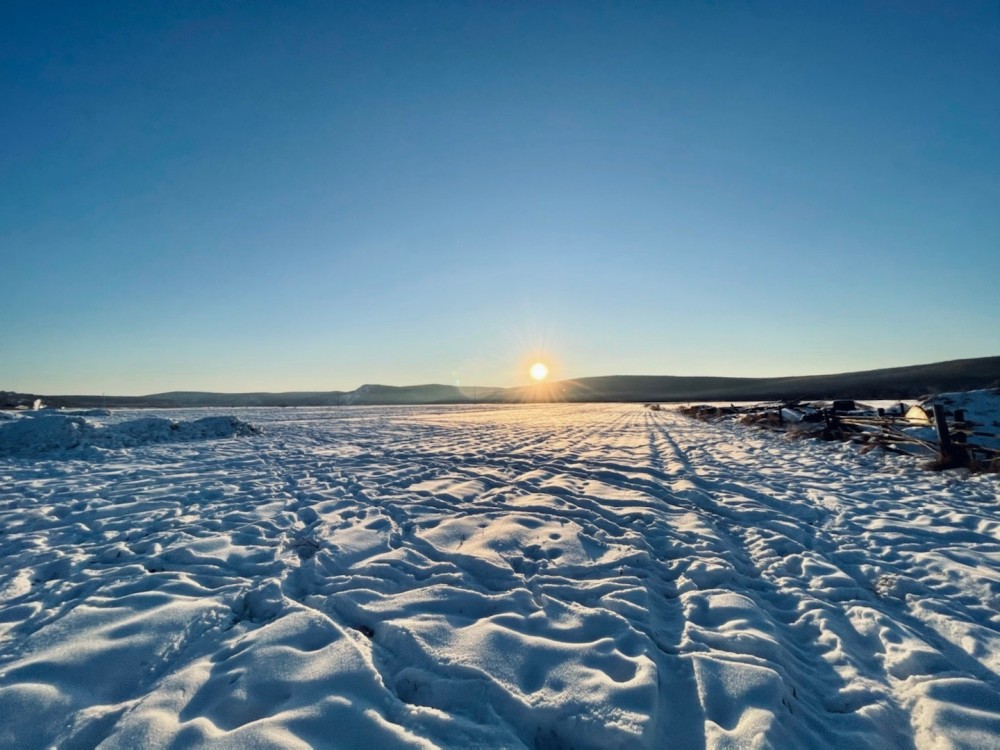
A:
543,576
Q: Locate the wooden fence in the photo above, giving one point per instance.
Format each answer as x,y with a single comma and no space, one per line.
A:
954,440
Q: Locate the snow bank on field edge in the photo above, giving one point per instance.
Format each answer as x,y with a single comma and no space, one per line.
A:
981,407
52,434
981,413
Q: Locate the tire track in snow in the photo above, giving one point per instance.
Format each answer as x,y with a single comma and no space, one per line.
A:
834,545
830,540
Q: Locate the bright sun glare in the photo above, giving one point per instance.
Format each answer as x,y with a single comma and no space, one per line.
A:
539,371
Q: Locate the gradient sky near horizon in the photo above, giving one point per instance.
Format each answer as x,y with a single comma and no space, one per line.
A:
240,196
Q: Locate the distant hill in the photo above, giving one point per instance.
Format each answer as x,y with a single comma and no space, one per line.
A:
894,382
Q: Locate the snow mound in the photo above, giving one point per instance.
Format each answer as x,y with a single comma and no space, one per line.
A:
49,434
86,412
48,412
981,411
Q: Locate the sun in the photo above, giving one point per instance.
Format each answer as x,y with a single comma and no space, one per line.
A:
539,371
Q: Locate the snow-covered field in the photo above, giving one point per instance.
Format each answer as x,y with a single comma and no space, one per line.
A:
557,576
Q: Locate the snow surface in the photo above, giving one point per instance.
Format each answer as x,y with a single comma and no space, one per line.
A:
546,576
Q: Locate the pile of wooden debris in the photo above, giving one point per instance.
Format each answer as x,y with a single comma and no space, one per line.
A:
955,429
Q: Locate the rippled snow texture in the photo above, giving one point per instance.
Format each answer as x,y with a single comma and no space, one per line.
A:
540,576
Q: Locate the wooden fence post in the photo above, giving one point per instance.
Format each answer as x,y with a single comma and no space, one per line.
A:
941,424
952,455
830,423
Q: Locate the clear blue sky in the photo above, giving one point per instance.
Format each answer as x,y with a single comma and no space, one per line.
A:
277,196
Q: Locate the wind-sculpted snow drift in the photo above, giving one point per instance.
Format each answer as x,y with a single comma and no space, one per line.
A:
536,576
